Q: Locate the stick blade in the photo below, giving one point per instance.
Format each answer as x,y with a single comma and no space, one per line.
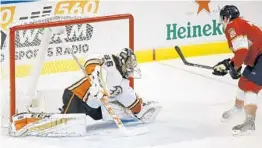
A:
178,50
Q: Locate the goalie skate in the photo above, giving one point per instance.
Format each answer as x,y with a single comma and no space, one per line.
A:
149,112
246,128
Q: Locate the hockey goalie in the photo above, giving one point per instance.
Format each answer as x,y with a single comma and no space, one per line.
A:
106,82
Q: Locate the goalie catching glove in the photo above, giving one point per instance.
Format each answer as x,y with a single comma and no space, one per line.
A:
225,66
96,91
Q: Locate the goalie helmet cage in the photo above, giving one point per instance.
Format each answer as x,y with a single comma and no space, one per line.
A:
46,24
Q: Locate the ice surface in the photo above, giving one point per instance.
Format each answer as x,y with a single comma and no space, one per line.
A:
193,101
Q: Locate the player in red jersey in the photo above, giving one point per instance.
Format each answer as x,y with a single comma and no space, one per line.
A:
245,41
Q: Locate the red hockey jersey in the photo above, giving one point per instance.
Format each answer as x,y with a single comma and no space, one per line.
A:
245,40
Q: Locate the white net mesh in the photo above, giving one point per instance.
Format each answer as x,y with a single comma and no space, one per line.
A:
58,68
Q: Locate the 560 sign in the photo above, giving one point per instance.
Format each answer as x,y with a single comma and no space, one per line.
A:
7,16
77,7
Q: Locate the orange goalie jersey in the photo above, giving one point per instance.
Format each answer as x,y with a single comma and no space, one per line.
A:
245,40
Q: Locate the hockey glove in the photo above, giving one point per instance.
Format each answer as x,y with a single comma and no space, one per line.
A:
226,65
96,89
221,68
234,73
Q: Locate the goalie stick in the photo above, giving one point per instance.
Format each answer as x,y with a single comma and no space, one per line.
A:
178,50
108,107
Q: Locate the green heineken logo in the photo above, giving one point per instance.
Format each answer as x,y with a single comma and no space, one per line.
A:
174,31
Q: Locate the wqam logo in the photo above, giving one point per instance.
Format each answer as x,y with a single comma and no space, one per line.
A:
28,42
74,33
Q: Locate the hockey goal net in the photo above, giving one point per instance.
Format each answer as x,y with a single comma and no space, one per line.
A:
40,65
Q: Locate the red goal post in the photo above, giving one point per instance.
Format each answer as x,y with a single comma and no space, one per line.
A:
12,47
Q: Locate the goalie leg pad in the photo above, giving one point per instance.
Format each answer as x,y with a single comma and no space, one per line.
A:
124,113
48,125
149,112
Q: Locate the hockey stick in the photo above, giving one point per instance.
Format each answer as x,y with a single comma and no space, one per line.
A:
178,50
105,103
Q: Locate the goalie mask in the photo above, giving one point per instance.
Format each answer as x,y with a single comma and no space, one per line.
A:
128,63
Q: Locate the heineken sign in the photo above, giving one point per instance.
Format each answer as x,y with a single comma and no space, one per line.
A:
175,31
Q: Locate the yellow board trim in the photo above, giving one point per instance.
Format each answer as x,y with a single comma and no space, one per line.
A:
188,51
50,67
143,56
